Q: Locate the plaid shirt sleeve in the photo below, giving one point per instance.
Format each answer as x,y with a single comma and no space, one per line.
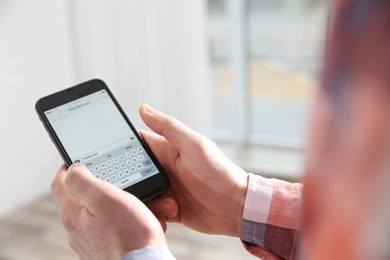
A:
271,218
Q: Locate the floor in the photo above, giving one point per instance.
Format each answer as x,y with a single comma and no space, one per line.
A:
35,233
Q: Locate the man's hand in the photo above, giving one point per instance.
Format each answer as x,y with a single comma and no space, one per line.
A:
209,189
103,222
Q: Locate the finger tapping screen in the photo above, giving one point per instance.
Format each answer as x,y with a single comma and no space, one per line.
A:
94,132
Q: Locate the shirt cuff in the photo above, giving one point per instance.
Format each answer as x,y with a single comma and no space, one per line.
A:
271,218
150,253
256,210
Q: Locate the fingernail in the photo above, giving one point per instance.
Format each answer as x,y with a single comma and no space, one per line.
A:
166,209
149,109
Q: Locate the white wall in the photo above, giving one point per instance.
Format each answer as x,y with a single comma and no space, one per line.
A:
34,61
147,51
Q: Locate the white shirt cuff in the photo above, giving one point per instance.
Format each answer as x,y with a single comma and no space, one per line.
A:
150,253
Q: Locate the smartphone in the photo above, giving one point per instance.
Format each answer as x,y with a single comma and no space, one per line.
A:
87,126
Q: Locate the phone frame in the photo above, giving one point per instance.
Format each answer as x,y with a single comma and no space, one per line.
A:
146,189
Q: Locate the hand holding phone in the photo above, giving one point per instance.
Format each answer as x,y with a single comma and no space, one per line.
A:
87,125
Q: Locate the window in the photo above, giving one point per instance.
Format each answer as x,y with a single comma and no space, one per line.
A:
265,56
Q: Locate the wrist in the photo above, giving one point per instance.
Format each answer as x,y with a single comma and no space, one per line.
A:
242,187
226,215
150,235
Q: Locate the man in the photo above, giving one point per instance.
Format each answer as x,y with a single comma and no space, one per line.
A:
208,193
345,207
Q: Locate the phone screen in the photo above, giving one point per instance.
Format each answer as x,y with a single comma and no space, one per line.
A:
94,132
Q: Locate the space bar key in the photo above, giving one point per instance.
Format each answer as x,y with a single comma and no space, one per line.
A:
128,180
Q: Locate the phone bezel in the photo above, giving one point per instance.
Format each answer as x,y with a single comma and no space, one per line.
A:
145,189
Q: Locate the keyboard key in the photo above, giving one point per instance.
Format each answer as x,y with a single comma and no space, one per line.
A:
126,171
128,162
123,165
103,165
122,157
133,152
141,157
140,149
147,171
134,159
128,155
120,174
139,166
147,163
109,163
116,168
110,171
115,159
114,177
96,168
104,173
128,180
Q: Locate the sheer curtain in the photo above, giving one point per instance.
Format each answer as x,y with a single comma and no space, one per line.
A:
148,52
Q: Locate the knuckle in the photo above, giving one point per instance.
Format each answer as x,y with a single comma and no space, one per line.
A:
54,186
67,223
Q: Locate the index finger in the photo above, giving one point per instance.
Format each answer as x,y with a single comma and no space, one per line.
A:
58,186
172,129
165,152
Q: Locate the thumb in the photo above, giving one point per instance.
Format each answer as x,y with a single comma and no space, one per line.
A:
92,191
164,206
172,129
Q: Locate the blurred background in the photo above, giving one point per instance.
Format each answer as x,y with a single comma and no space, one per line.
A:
242,73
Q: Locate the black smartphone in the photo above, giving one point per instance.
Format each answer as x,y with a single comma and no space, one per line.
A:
87,125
